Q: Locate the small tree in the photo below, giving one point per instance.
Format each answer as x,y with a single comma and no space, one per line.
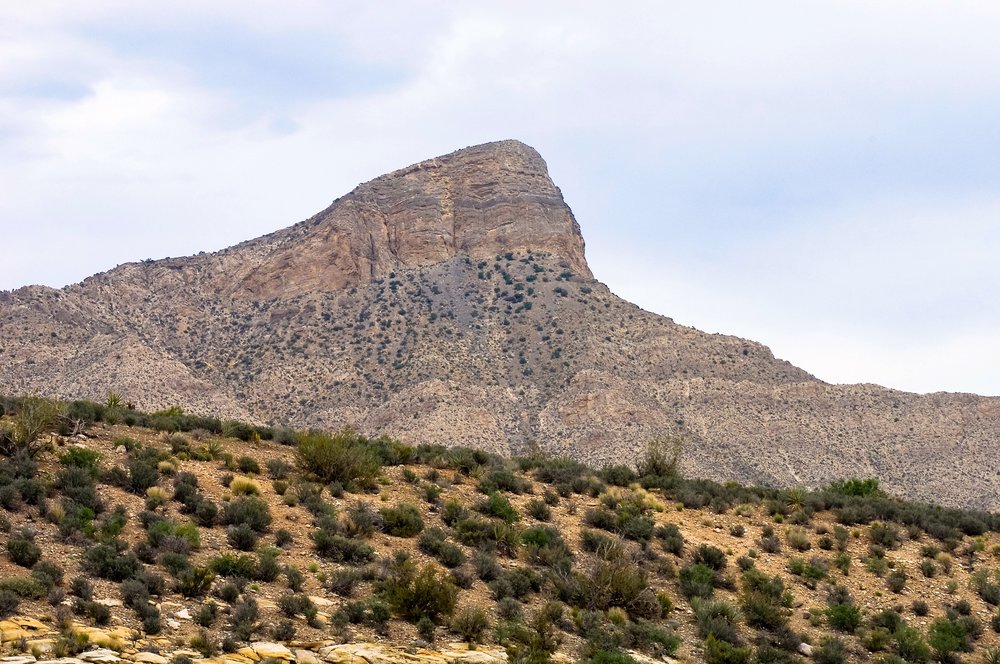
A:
34,416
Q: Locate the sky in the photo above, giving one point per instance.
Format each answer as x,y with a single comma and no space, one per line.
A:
822,177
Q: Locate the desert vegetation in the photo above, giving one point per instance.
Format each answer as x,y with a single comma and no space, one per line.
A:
186,533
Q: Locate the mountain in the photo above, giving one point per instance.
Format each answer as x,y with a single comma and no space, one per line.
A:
451,302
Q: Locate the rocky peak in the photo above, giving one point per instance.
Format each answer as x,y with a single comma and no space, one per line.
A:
480,201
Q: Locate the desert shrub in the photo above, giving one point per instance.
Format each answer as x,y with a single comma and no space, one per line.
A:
516,583
763,600
231,565
476,532
143,469
32,417
296,604
618,475
433,542
670,536
545,546
896,580
248,465
717,618
710,556
249,510
843,617
344,457
344,581
241,537
47,573
503,479
610,583
697,580
470,623
195,581
25,587
243,619
498,506
798,538
22,550
538,509
283,538
486,566
9,602
81,587
830,651
718,651
81,457
946,636
402,520
452,512
111,561
205,614
884,534
415,594
340,549
362,520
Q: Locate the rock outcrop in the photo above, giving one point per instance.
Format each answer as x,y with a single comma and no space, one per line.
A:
450,302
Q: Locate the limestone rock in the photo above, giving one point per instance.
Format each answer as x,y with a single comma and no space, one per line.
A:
150,658
265,650
100,656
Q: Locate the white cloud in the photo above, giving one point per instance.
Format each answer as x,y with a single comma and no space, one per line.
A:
792,172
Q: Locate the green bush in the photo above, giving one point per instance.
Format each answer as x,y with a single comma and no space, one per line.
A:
22,550
414,594
111,561
470,623
910,645
830,651
248,465
402,520
718,651
717,618
697,580
341,549
241,537
763,600
538,509
843,617
947,636
81,457
47,573
231,565
9,602
434,542
25,587
498,506
249,510
32,417
195,581
344,457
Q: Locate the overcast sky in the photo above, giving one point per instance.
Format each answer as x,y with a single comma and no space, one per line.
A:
823,177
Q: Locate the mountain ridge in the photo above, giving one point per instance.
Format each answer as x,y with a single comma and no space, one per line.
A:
450,301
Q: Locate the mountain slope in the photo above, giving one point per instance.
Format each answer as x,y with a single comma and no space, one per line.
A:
450,302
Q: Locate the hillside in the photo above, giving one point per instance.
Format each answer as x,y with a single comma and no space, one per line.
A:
169,547
450,302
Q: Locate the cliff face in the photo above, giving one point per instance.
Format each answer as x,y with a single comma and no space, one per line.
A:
450,302
478,202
